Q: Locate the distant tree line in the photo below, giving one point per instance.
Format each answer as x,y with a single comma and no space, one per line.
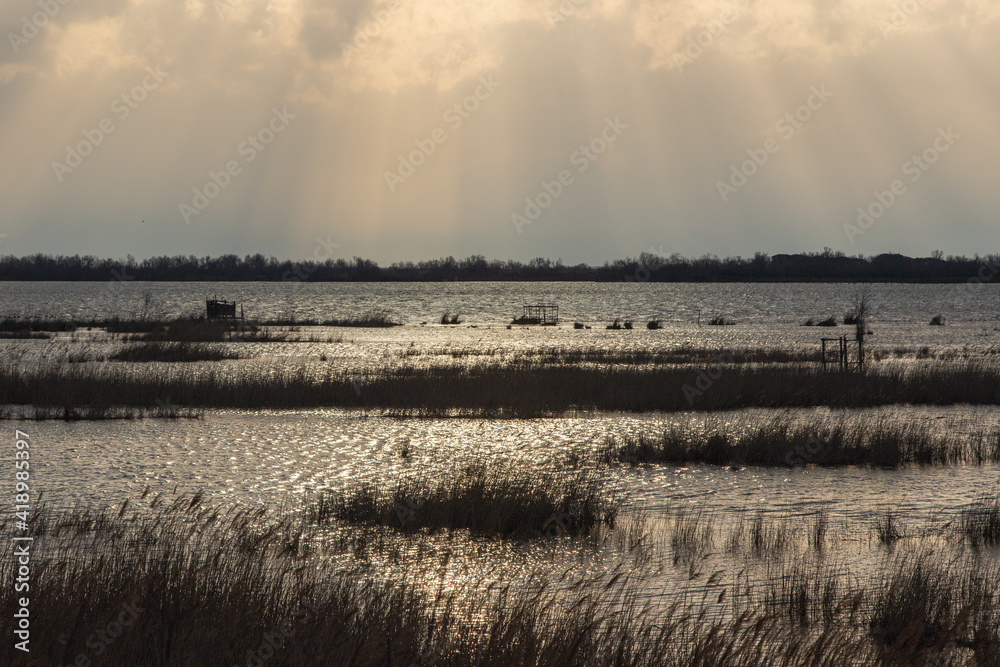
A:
826,266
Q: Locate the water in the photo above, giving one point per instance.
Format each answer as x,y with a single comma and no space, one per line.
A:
262,456
269,457
279,458
896,306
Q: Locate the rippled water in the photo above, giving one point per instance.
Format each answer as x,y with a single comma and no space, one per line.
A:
279,458
268,457
260,456
497,303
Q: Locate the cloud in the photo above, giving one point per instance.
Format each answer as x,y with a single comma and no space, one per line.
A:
564,67
785,29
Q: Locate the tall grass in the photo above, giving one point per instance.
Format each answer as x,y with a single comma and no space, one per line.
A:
760,537
173,352
503,389
494,501
980,523
782,442
28,324
684,354
922,605
24,334
887,527
692,538
206,585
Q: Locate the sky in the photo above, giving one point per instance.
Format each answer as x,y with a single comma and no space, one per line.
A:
585,130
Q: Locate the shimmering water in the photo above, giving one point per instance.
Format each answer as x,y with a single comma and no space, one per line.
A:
280,458
967,308
269,457
261,456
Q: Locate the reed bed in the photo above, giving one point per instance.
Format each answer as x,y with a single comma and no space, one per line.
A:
485,500
980,523
178,580
164,410
370,319
24,335
37,324
684,354
869,441
173,352
761,537
507,390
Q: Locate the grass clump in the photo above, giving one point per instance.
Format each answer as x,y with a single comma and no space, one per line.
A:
887,528
542,389
173,352
24,335
485,501
182,331
922,605
453,318
980,523
781,442
37,324
692,538
210,585
760,536
373,319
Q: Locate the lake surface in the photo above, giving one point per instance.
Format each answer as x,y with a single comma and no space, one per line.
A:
271,457
280,459
264,456
767,315
497,303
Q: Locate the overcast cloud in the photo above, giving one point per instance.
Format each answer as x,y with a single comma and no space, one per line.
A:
584,129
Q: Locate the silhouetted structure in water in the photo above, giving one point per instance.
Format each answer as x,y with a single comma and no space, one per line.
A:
220,309
836,352
546,314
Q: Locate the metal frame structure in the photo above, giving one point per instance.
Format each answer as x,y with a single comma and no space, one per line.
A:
540,313
220,309
836,352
